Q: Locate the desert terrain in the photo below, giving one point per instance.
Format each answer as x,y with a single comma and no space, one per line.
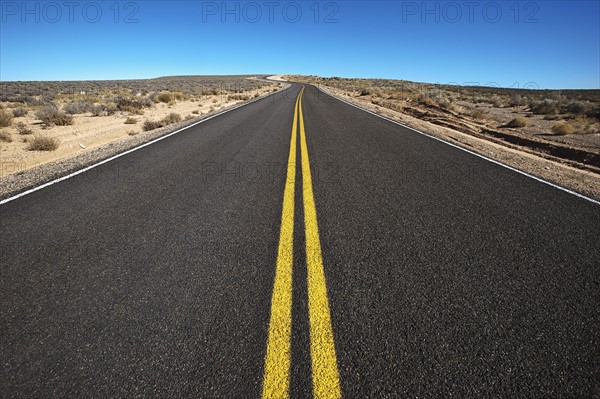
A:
551,134
42,122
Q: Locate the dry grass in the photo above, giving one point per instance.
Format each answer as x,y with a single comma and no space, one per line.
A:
51,116
80,107
99,110
6,118
20,112
42,142
133,132
38,94
131,121
133,106
544,107
563,128
518,121
171,118
167,120
169,97
474,113
151,125
23,129
238,97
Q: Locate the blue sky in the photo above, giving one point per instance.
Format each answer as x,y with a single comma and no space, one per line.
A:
543,44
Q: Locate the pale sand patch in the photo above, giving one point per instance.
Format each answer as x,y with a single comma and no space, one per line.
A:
90,132
278,78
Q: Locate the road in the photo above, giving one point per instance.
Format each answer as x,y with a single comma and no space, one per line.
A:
299,246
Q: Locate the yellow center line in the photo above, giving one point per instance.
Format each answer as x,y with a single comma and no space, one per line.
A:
326,382
325,376
277,359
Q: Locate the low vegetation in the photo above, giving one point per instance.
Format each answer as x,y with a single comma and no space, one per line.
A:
133,106
131,121
167,120
20,112
238,97
563,128
554,104
151,125
104,91
42,142
518,121
51,116
104,109
6,118
23,129
171,118
170,96
78,107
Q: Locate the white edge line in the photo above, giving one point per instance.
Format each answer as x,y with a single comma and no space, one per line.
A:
119,155
465,150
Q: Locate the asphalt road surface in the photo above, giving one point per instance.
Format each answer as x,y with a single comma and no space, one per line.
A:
299,247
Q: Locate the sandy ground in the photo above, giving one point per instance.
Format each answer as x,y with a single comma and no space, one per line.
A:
90,132
583,181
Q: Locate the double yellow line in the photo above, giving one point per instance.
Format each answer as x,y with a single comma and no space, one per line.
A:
325,376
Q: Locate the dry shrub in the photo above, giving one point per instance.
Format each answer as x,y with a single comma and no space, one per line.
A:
43,143
23,129
563,128
170,96
237,96
6,118
51,116
474,113
151,125
171,118
19,112
545,107
518,121
167,120
133,106
78,108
